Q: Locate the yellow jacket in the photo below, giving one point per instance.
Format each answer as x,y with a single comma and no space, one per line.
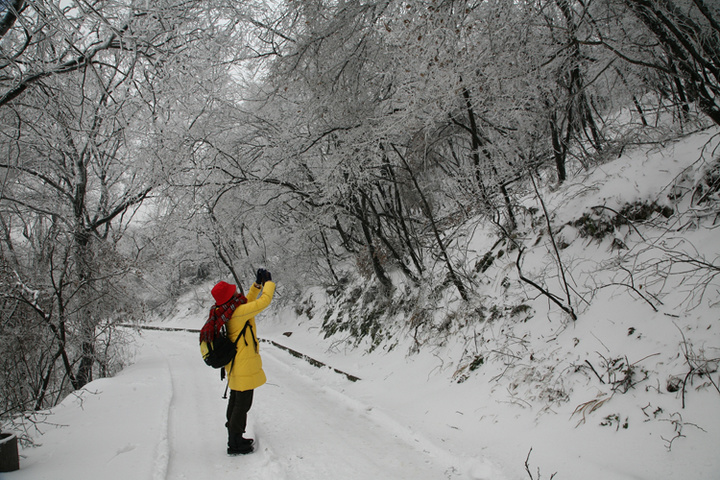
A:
245,372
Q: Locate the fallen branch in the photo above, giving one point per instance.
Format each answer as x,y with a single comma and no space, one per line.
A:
561,268
554,298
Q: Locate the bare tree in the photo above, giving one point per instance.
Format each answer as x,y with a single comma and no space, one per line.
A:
87,101
684,56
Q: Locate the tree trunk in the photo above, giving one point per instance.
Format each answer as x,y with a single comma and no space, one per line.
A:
358,208
372,252
428,212
477,143
559,150
85,318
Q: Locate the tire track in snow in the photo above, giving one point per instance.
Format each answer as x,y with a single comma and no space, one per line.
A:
162,451
196,420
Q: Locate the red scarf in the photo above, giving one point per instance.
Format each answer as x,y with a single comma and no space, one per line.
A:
219,315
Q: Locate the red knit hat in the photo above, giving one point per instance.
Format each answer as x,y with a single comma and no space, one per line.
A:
223,292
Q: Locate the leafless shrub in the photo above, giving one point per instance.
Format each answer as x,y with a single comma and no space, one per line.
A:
619,373
700,366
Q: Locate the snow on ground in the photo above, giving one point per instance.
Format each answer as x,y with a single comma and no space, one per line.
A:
408,417
163,417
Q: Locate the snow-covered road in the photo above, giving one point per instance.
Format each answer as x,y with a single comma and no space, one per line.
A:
304,430
163,418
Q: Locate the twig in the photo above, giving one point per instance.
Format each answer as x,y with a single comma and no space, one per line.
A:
687,359
527,464
679,424
595,371
644,358
527,468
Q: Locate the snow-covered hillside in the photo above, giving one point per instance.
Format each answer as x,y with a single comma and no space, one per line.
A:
504,387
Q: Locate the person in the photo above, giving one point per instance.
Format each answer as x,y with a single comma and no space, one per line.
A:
245,372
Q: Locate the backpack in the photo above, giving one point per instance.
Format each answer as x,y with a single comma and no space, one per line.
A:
222,350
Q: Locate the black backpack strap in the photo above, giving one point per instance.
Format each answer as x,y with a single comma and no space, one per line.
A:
252,334
241,334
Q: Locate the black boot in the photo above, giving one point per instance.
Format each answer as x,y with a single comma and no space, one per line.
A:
237,445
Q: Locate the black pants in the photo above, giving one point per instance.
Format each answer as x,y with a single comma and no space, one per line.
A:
238,407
